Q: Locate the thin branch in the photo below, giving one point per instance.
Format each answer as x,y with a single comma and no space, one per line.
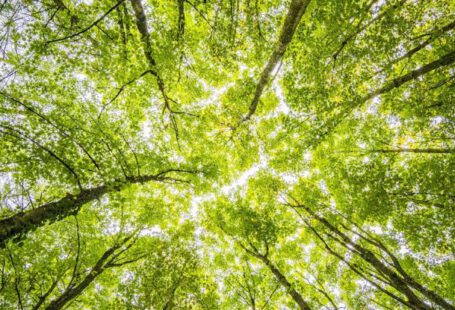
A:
44,296
361,28
17,280
200,13
61,132
435,35
20,136
122,88
74,276
95,23
409,150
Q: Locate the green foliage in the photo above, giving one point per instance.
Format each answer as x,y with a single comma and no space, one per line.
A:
132,178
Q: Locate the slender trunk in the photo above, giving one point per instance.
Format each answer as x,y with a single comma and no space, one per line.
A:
353,267
433,36
395,280
43,297
102,264
278,275
397,82
409,280
396,264
293,17
402,284
181,20
285,283
60,302
330,126
141,23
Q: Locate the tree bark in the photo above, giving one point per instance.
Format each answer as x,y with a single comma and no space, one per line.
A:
445,60
293,17
285,283
23,222
401,284
397,82
141,23
279,276
103,263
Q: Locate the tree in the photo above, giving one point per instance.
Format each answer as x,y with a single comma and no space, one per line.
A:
227,154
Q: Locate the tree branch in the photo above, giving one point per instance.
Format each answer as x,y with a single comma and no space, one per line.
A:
95,23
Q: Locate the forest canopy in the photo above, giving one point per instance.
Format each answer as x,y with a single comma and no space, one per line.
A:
227,154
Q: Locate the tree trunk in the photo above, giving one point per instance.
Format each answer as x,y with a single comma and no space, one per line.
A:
396,281
23,222
329,127
397,82
73,291
293,17
285,283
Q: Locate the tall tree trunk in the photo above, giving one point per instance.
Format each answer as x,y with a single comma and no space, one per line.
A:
286,284
278,275
400,283
23,222
445,60
141,23
293,17
435,35
106,261
328,127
